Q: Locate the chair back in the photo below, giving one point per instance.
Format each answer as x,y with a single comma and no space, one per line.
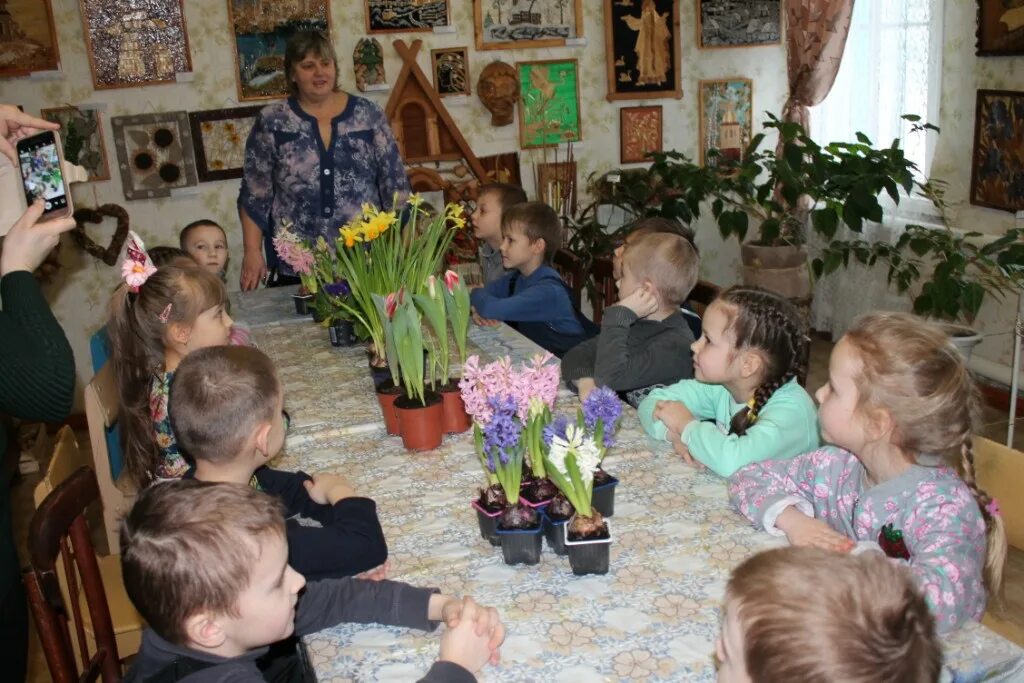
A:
568,266
58,534
602,272
99,349
701,296
102,405
999,470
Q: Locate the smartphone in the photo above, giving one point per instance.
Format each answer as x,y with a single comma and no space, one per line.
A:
40,157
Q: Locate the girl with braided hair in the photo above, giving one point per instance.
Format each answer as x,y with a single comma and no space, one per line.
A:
899,478
746,403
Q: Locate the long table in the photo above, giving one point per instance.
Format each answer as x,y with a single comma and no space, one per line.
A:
654,616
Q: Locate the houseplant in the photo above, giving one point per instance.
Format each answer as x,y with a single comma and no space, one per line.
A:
456,306
419,411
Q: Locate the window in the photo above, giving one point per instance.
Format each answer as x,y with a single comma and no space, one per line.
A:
892,66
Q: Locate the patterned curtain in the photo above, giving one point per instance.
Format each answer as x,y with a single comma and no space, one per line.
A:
816,33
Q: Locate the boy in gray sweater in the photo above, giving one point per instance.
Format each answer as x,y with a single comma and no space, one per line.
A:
206,565
644,339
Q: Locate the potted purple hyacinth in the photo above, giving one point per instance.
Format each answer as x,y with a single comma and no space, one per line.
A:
601,412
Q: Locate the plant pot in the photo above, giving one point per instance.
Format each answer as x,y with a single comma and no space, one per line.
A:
555,534
603,497
963,338
782,270
343,333
387,392
302,302
455,418
379,373
521,546
589,555
488,522
419,424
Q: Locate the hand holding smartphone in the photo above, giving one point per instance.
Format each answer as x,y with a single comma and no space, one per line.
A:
40,158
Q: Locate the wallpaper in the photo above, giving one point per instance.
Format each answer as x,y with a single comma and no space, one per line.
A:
81,290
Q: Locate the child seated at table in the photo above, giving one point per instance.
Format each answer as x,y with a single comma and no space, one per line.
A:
531,297
805,614
491,203
644,338
205,241
899,409
206,565
227,408
745,403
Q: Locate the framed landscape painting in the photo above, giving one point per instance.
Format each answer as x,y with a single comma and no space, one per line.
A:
726,118
1000,28
81,133
549,103
405,16
219,136
738,23
998,145
261,31
28,40
640,131
642,49
505,24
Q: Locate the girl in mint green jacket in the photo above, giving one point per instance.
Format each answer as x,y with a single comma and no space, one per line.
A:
745,404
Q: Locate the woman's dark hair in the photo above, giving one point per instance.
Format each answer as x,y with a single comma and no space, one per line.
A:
302,44
766,322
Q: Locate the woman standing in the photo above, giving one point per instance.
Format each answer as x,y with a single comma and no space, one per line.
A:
313,160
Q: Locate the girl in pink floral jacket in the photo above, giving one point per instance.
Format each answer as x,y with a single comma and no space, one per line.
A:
898,404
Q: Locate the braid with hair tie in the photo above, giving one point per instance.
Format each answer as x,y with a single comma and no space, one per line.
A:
995,557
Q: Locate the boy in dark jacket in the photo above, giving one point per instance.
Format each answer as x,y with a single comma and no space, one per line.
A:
226,408
206,566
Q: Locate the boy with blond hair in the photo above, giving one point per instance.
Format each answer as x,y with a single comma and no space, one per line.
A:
644,338
817,616
491,203
206,565
531,297
227,411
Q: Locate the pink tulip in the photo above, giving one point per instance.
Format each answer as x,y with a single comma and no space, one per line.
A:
451,280
391,304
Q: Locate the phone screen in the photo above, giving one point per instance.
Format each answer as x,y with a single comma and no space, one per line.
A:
41,172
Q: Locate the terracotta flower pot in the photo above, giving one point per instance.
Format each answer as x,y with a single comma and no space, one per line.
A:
387,392
456,420
420,425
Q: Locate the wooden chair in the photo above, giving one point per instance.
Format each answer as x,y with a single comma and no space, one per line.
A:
127,623
999,470
60,517
101,409
702,295
607,293
568,266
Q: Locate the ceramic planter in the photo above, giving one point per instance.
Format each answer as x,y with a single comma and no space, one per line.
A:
589,555
302,302
456,419
555,534
488,522
603,497
343,333
521,546
387,392
419,424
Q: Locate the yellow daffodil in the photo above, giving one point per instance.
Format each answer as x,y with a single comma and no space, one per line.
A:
381,222
351,236
415,200
369,211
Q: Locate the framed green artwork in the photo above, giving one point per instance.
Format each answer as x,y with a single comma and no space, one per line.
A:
549,103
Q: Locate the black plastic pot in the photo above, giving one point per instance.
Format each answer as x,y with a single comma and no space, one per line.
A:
555,535
589,556
380,375
521,546
603,497
343,333
488,522
302,303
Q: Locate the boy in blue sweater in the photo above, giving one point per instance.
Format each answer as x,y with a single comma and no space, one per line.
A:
531,297
227,411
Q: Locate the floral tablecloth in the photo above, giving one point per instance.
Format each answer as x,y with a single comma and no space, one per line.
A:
654,616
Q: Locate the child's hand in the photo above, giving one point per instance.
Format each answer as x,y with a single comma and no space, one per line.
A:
469,626
377,573
584,385
326,488
641,301
684,452
674,414
485,322
808,531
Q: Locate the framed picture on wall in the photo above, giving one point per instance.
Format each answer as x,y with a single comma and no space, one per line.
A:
261,30
731,23
81,133
134,46
451,70
506,24
1000,28
405,16
154,153
998,135
28,39
642,49
639,133
726,118
549,103
502,168
218,138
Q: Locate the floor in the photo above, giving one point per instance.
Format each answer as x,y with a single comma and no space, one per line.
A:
994,426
